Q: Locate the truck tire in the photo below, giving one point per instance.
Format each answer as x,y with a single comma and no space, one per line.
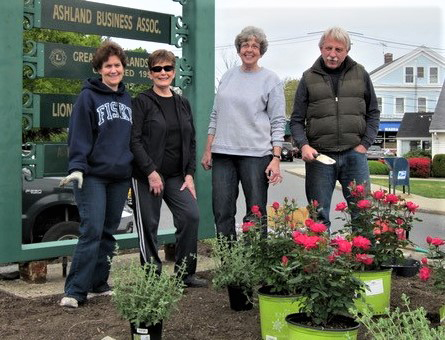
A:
66,230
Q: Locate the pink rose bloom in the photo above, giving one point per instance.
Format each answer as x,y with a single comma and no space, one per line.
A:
361,242
424,261
428,239
411,206
337,239
399,221
378,195
276,205
311,242
308,222
391,199
436,241
364,258
317,227
364,204
284,261
344,247
332,258
288,218
424,273
298,237
341,206
400,232
315,203
377,231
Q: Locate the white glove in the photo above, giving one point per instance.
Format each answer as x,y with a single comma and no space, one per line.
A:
74,176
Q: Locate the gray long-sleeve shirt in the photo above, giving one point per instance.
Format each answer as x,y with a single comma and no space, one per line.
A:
248,113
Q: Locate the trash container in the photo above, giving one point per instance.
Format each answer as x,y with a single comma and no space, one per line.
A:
398,173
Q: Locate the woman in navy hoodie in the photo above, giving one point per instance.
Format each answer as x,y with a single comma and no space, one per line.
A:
100,162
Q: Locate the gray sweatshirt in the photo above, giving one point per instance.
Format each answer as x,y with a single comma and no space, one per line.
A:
248,113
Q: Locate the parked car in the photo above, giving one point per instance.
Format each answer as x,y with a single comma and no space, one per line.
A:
376,152
287,153
49,212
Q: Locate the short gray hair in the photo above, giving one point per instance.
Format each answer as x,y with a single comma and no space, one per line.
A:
250,32
336,33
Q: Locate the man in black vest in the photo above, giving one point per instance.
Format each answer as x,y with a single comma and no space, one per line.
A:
335,113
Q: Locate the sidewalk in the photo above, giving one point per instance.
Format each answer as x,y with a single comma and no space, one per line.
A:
426,205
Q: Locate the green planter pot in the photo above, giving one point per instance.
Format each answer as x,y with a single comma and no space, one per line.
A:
378,293
273,311
300,331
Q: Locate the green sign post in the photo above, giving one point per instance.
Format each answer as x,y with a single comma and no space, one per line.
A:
194,32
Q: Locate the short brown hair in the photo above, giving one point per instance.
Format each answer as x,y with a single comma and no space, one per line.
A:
105,51
159,56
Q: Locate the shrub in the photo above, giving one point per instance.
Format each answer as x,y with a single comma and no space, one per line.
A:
419,167
377,168
438,167
418,153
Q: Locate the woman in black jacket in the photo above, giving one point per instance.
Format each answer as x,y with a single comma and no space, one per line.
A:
164,148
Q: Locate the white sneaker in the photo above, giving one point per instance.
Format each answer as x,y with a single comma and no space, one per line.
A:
69,302
92,295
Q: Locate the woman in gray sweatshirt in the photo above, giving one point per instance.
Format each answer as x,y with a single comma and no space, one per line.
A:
245,133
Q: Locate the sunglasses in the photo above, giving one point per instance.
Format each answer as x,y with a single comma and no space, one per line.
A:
167,68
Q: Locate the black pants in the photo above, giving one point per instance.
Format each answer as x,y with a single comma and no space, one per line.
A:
184,207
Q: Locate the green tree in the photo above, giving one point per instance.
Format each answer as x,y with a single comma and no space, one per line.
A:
290,86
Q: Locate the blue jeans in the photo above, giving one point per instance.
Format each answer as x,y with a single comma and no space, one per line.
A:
227,172
320,178
100,203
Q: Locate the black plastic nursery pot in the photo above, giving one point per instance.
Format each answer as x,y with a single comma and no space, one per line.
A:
152,332
408,268
238,300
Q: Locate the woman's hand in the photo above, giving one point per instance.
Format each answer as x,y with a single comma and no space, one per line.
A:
206,160
189,184
273,171
155,183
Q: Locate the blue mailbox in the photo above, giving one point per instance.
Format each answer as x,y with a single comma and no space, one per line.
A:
398,173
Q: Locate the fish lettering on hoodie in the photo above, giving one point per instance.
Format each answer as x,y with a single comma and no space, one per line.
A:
114,110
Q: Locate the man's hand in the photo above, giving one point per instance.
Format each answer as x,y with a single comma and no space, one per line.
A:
155,183
189,184
74,176
206,160
308,153
360,148
273,171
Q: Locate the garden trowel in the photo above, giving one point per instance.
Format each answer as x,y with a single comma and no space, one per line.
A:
324,159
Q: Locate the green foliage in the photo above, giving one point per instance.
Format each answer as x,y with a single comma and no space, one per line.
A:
406,325
141,295
417,153
438,167
234,263
290,87
378,168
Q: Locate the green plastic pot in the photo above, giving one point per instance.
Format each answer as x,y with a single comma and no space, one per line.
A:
378,293
273,311
299,331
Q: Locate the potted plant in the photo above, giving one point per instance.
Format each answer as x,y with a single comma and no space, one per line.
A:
144,296
235,270
386,220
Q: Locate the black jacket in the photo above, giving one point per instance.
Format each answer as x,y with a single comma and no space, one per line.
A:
149,132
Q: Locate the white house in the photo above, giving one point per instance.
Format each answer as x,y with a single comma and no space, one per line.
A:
437,126
411,83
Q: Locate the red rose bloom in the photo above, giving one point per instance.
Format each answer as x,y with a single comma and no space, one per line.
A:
246,226
308,222
424,273
276,205
378,195
284,261
399,221
424,261
401,234
391,199
364,204
428,239
341,206
361,242
377,231
317,227
315,203
364,258
436,241
344,247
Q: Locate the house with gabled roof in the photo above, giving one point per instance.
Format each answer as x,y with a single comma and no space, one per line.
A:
414,132
411,83
437,126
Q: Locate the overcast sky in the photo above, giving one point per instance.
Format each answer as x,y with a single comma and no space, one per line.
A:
293,29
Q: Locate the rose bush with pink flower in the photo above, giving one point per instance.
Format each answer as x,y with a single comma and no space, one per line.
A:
383,219
433,266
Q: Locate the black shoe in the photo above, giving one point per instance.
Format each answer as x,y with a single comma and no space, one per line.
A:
195,282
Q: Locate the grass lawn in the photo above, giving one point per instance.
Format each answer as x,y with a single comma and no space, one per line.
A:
425,188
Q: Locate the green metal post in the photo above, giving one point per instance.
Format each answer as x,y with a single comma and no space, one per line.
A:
199,51
11,30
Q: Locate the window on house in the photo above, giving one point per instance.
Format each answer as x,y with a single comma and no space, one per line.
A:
420,72
379,103
434,75
421,104
400,105
409,74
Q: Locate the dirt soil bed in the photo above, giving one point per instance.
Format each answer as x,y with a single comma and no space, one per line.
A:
203,314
